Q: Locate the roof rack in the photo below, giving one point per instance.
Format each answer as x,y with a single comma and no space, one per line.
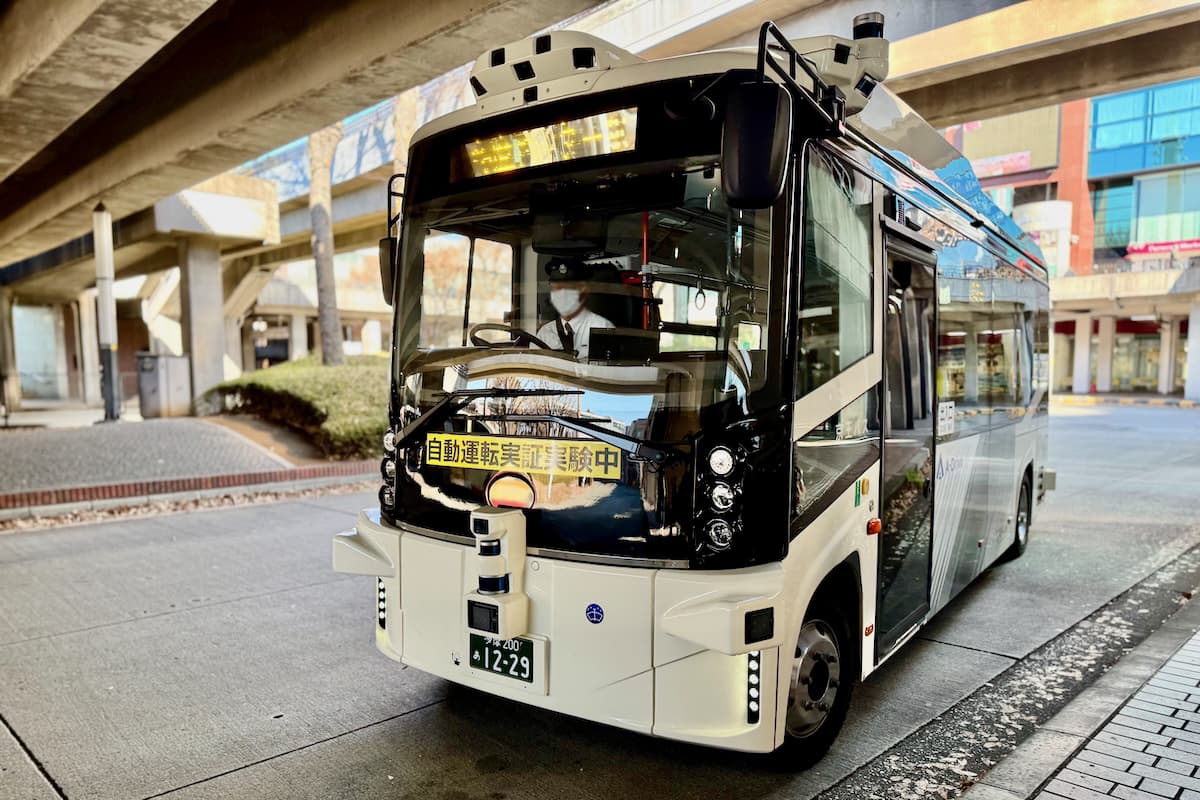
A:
827,101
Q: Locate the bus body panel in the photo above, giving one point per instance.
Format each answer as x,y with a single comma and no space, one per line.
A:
837,536
600,671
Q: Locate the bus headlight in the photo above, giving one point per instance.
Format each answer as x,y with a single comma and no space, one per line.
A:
387,469
720,534
389,441
722,496
720,461
387,498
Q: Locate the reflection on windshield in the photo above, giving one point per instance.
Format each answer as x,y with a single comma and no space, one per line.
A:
642,269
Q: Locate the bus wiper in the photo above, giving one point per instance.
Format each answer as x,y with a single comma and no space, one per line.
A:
636,448
452,402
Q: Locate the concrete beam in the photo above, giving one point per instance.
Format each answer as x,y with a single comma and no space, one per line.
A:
1149,58
228,207
236,209
287,67
59,59
1025,32
956,62
298,251
659,30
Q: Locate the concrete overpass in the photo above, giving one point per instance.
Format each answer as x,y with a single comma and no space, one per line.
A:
209,88
283,73
165,113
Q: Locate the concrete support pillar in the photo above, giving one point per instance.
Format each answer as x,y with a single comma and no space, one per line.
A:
1177,338
233,364
1061,365
201,299
1081,370
89,349
106,312
1104,353
298,337
10,380
321,148
1191,389
1166,357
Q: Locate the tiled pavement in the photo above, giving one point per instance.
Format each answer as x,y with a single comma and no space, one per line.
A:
160,449
1150,749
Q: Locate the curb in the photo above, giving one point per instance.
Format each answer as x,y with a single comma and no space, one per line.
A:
52,502
1042,755
1103,400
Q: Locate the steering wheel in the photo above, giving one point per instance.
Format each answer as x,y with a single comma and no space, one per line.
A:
517,336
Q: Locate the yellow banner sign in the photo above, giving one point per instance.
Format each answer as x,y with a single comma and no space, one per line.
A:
566,457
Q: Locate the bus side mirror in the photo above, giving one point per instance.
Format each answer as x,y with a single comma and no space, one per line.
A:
387,258
756,144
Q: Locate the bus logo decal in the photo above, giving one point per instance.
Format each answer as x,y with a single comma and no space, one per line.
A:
594,614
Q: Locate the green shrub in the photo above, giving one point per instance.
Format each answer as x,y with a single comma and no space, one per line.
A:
342,409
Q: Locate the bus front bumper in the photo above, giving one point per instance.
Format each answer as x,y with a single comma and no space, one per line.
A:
657,651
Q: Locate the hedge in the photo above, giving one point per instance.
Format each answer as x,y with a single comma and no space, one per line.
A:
341,409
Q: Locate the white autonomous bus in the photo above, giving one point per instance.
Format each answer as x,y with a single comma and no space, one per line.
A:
714,378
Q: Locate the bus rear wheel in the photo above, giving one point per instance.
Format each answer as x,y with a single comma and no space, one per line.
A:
823,675
1021,528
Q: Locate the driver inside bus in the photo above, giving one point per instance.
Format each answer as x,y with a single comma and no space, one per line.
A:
573,326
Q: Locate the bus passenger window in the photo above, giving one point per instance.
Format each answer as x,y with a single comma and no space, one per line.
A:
835,313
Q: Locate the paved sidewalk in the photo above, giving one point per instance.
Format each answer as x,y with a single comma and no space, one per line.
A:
54,458
1126,399
1150,749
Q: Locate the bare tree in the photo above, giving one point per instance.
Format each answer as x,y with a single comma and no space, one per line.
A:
321,147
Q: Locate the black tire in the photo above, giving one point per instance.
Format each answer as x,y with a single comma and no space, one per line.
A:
1021,522
810,732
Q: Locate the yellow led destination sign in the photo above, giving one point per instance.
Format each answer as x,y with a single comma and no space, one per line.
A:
597,135
560,457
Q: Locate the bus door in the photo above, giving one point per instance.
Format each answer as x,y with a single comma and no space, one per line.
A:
906,490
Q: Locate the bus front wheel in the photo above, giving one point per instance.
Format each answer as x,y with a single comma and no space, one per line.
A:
1021,528
823,675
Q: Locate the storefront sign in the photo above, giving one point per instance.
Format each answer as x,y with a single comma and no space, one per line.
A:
1158,248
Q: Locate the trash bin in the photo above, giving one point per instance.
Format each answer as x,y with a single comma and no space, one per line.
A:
164,385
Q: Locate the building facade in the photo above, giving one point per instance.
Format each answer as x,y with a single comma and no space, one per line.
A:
1111,189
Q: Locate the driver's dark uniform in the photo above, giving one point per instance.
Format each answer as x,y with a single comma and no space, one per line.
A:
576,330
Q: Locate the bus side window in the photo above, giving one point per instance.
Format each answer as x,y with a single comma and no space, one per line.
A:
836,293
833,455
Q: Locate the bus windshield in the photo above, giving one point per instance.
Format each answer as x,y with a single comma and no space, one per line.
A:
641,282
575,334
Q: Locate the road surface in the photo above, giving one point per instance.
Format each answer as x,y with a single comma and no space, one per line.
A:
215,654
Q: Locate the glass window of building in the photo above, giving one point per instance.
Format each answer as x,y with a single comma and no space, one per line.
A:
1112,204
1034,194
1168,206
1146,129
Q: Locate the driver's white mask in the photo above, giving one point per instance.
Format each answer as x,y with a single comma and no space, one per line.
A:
565,301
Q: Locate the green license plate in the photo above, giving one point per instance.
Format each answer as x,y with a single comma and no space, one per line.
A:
512,658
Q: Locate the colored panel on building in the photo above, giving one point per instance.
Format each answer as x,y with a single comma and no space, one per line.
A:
1145,129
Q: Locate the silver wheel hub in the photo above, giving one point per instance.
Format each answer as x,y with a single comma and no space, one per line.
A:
816,677
1023,519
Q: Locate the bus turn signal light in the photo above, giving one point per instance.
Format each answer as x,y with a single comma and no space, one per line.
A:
874,526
